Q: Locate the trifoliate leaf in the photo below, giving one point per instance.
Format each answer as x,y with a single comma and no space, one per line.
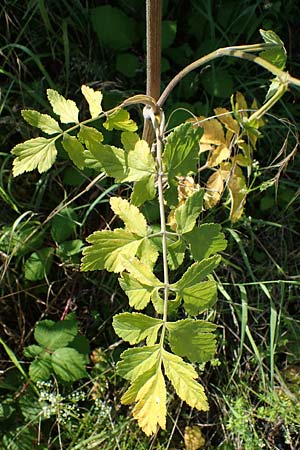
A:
197,272
75,150
140,162
187,214
41,367
199,297
150,410
68,364
206,240
94,99
107,250
42,121
129,139
133,219
181,151
182,377
54,335
38,153
135,361
192,339
65,109
143,190
277,55
135,327
120,120
38,265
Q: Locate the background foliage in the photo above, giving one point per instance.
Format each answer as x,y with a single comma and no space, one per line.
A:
59,45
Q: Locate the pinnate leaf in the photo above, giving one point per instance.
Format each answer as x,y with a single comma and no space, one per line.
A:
139,294
75,150
134,220
135,327
192,339
38,153
183,378
199,297
143,190
42,121
65,109
107,250
140,162
94,99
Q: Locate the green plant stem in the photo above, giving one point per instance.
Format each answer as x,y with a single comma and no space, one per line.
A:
237,52
159,149
268,105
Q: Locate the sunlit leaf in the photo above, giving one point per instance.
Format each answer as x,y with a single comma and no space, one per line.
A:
139,294
213,132
238,191
140,271
65,109
193,438
140,162
197,272
143,190
277,55
187,213
181,150
135,361
214,189
176,252
42,121
41,367
107,250
183,378
192,339
94,99
199,297
206,240
38,153
135,327
75,150
120,120
147,252
129,139
218,154
133,219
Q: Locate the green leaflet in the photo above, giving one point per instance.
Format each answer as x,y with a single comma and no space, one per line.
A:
140,162
206,240
134,220
94,99
75,150
143,190
92,139
147,252
65,109
38,153
108,249
41,367
55,335
112,159
277,55
135,327
187,214
182,377
139,294
200,297
140,271
197,272
192,339
181,151
68,364
38,265
129,139
176,252
42,121
136,361
120,120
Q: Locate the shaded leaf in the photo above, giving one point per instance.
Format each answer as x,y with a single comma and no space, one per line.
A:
112,159
193,438
65,109
192,339
42,121
63,224
38,265
277,55
38,153
206,240
94,99
143,190
135,327
176,252
187,213
129,139
75,150
197,272
54,335
68,364
41,367
199,297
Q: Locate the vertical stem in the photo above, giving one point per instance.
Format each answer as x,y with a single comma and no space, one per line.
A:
153,32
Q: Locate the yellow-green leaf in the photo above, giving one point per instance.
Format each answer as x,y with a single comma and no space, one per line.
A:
187,213
65,109
199,297
143,190
129,139
134,220
135,361
140,271
183,378
135,327
94,99
75,150
140,162
197,272
120,120
38,153
238,191
44,122
138,294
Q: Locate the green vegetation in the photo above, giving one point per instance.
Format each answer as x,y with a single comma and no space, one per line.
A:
65,332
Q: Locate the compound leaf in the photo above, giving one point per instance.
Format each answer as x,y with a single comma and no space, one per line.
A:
38,153
199,297
135,327
75,150
183,378
187,214
108,249
140,162
140,271
135,361
112,159
143,190
197,272
139,294
42,121
129,139
94,99
65,109
134,220
182,148
192,339
41,367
